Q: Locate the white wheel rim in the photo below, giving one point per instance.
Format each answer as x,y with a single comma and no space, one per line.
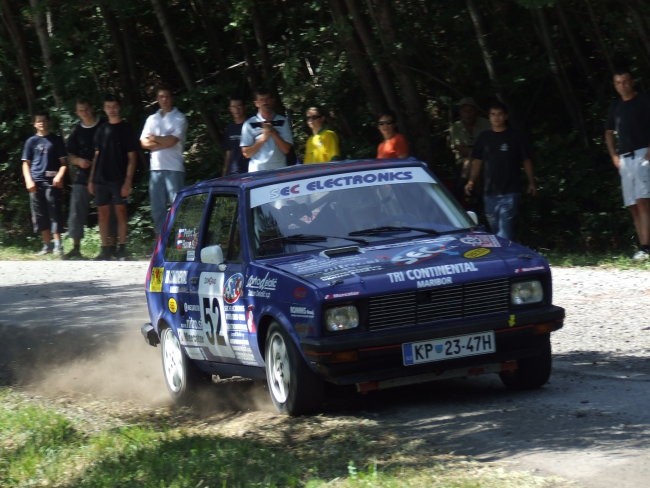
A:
279,368
172,361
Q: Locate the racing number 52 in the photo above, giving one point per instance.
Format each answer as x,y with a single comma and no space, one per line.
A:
212,313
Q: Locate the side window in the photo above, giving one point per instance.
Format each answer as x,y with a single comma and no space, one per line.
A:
184,235
223,226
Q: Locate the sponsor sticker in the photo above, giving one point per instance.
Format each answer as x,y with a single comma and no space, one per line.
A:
172,305
375,177
476,253
176,277
301,312
261,287
483,240
528,270
156,281
233,288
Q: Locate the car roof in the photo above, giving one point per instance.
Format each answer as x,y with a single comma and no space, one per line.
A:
289,173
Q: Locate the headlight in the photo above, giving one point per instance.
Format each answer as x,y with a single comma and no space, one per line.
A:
341,318
525,292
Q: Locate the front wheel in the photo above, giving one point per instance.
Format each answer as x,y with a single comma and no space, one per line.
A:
295,389
532,372
182,377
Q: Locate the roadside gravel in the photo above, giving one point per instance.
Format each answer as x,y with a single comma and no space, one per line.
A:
71,336
607,312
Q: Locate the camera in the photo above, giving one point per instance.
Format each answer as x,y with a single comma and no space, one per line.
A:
274,123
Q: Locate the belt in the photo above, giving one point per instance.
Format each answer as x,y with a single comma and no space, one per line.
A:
639,152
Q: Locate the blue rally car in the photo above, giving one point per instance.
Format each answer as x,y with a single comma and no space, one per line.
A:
362,273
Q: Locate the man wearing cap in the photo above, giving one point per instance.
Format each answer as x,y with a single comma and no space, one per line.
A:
462,135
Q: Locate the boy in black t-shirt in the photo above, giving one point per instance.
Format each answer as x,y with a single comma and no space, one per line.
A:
111,176
81,151
501,152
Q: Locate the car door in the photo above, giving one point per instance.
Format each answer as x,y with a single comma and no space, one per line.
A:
218,288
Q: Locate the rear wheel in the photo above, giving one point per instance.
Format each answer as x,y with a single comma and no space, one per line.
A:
532,372
182,377
295,389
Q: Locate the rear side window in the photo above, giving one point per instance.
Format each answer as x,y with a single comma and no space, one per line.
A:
184,235
223,226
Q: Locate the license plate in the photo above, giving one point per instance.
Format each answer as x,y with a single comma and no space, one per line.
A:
448,348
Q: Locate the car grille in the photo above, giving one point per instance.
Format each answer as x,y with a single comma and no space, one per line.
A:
444,303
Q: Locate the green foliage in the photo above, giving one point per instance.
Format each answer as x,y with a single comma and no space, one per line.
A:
295,48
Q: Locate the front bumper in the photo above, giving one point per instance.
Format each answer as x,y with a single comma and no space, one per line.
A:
377,356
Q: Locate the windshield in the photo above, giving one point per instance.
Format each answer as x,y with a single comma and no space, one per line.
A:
351,209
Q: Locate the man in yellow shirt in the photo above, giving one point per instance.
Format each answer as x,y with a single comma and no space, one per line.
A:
323,144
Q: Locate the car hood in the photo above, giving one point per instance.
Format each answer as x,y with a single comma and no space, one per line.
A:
413,263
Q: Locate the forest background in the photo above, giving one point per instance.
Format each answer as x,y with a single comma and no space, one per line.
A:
550,61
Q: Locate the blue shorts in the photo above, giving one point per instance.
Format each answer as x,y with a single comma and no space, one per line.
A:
45,205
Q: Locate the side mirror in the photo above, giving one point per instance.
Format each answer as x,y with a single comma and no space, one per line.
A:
473,216
212,254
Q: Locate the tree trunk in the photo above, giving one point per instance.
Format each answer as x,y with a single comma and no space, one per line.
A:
37,7
578,55
182,68
113,26
477,21
18,40
638,14
603,46
262,49
369,42
559,76
417,125
358,61
210,30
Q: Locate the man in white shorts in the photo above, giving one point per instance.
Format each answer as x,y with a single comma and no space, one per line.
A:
627,136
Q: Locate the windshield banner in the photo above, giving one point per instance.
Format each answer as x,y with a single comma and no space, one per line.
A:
293,189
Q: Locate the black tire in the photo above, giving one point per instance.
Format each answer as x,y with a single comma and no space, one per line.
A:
183,379
295,389
532,372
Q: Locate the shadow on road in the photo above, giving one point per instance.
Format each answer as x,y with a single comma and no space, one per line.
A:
48,325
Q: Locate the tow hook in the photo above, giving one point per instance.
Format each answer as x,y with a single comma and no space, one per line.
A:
149,334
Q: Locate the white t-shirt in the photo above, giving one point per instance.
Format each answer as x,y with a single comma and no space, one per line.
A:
269,155
173,123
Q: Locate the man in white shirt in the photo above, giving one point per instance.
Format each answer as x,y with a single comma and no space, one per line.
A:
266,137
164,136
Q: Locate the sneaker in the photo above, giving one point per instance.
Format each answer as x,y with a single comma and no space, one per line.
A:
46,249
74,254
106,254
641,255
121,253
58,251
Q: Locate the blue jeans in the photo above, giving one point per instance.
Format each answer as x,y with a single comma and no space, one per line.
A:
163,187
501,212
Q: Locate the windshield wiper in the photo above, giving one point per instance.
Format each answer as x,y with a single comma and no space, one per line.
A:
382,229
308,238
296,238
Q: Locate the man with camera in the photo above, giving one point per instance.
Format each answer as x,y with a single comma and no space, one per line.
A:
266,137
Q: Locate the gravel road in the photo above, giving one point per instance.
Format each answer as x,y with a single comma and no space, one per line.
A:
71,329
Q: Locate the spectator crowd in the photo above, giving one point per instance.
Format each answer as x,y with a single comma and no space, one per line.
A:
102,155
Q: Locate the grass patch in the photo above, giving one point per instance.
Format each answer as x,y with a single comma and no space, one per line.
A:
42,445
139,246
615,259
